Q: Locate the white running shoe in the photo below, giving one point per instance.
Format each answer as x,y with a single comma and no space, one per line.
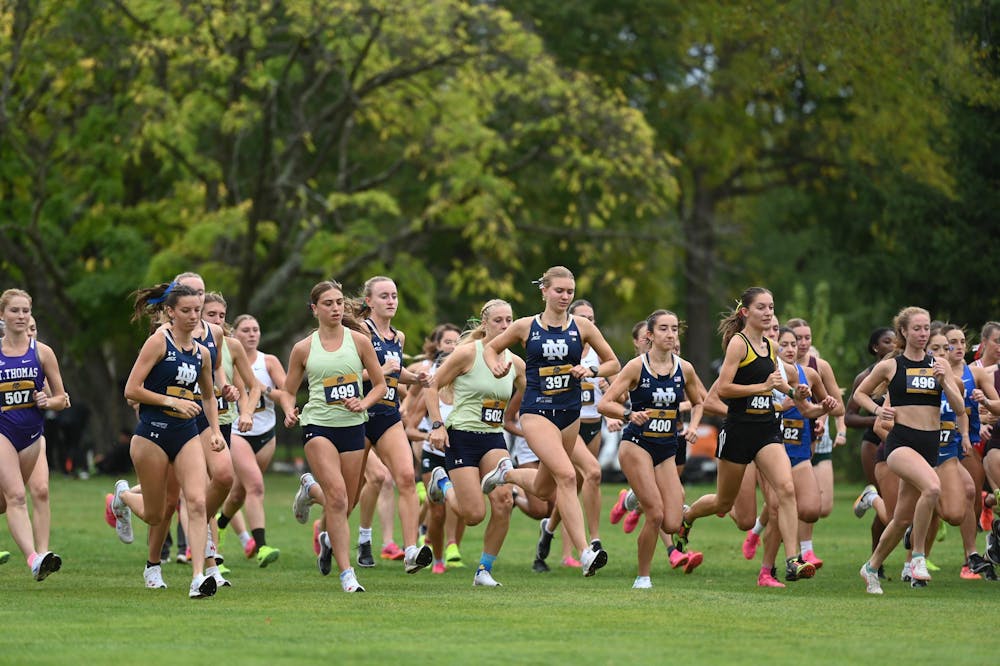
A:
642,583
349,581
498,476
592,560
874,586
220,582
905,575
210,549
154,578
484,579
416,559
918,568
865,499
45,563
631,501
434,491
202,587
302,501
123,514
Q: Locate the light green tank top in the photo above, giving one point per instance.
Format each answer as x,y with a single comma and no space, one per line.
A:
480,398
227,417
333,377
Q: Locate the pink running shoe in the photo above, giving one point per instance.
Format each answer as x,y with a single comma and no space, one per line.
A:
678,559
316,531
750,545
631,520
694,559
438,568
767,579
109,514
571,562
392,552
618,511
250,549
811,558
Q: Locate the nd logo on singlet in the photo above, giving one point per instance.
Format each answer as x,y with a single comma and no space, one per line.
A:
555,350
664,396
186,374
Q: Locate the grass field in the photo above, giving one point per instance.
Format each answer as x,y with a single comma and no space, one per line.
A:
96,609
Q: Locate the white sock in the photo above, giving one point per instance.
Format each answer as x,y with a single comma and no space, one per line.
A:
757,529
245,538
364,535
805,546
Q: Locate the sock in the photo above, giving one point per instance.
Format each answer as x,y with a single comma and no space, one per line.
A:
223,520
258,536
151,564
31,559
805,545
757,529
486,561
423,531
444,484
868,567
437,561
346,572
244,538
916,554
546,532
364,535
670,549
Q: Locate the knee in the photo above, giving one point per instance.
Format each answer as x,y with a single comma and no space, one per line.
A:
933,491
785,491
653,517
502,505
565,478
17,499
475,516
222,477
592,476
744,523
336,502
808,512
195,506
255,489
39,492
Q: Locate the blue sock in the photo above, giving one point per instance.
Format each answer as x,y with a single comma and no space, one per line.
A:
444,484
486,561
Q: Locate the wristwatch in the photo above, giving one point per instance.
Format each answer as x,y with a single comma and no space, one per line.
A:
594,369
627,415
436,424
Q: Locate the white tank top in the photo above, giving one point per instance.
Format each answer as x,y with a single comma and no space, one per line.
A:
263,413
589,390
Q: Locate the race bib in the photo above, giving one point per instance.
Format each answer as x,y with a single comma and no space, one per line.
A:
391,391
760,404
791,431
492,414
661,423
340,388
921,380
220,402
947,431
554,379
17,395
586,393
183,394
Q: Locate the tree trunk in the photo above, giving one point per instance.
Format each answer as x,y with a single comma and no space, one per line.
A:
699,344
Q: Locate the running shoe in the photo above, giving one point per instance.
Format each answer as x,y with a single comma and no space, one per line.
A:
810,557
618,511
202,587
438,568
767,579
183,556
797,568
694,559
498,476
365,558
391,551
302,502
631,520
44,564
872,583
4,556
539,566
980,565
931,566
421,492
993,542
682,536
324,561
967,574
907,541
220,581
631,500
942,533
986,516
677,558
223,569
544,544
452,557
153,577
571,562
267,555
109,514
591,560
123,514
316,531
918,568
905,574
349,581
750,544
435,493
865,499
881,573
642,583
596,544
915,584
250,548
484,578
417,558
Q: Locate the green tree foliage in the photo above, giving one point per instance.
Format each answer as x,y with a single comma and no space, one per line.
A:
268,145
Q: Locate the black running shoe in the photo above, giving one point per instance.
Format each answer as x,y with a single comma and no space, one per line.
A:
881,573
544,541
978,564
796,569
539,566
993,542
596,544
681,538
365,558
906,538
914,584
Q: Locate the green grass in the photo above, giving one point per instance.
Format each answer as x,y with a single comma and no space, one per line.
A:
97,610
